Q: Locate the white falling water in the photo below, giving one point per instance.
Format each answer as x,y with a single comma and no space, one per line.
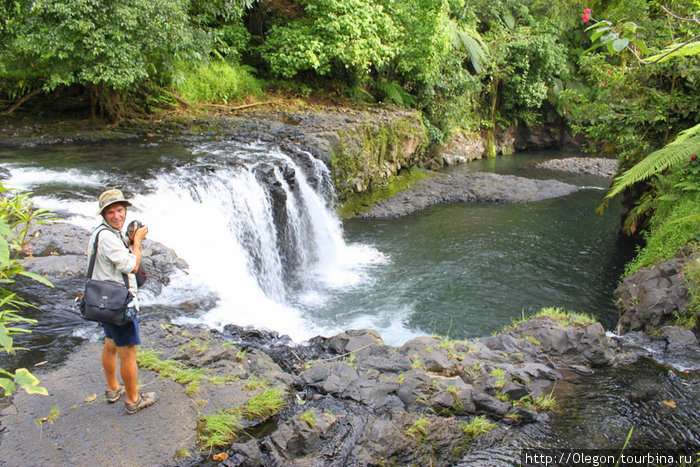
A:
222,224
217,215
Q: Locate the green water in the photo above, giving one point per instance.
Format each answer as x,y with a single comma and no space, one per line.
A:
468,269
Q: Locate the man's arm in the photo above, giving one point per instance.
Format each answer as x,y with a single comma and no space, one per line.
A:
136,249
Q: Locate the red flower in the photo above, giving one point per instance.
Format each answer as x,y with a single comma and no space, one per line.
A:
693,157
586,16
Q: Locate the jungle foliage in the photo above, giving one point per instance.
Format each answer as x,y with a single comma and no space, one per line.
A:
473,65
623,75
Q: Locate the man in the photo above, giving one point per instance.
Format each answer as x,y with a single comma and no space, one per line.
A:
113,259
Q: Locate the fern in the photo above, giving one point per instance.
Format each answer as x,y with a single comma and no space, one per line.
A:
688,49
395,93
679,150
471,42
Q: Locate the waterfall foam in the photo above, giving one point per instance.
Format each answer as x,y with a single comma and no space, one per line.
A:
256,226
254,232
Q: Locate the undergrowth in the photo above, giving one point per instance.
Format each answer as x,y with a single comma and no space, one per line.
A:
217,82
558,315
675,218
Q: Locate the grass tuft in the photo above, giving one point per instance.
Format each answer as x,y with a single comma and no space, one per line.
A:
265,404
477,427
219,429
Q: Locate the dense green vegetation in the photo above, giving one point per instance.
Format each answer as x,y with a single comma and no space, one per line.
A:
622,74
17,215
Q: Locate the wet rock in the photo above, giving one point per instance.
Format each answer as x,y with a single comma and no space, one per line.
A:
297,437
482,187
357,341
514,391
584,165
485,403
572,345
246,454
330,378
677,337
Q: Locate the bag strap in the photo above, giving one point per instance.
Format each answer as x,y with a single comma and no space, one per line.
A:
91,264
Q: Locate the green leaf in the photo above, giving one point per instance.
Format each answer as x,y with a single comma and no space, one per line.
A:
5,339
509,19
4,252
599,32
686,143
29,382
8,386
37,277
642,46
619,44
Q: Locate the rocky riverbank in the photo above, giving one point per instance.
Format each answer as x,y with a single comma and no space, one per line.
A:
344,400
348,399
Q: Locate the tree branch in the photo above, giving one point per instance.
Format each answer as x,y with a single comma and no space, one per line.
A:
694,18
22,101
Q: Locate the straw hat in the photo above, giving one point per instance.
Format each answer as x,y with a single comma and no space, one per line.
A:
110,197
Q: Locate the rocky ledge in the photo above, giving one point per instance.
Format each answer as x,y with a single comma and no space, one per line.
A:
485,187
584,165
653,298
343,400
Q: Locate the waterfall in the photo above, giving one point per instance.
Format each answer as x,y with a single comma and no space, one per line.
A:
256,226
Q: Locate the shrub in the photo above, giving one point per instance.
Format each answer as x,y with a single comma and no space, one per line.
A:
217,81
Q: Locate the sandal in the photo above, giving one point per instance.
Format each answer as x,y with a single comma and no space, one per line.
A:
113,396
146,399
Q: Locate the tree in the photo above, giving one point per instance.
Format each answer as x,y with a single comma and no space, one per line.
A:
107,47
332,34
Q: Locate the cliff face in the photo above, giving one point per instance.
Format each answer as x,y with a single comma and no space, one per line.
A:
370,154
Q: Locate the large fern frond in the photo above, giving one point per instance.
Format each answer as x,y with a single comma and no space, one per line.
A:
681,51
471,42
395,93
686,144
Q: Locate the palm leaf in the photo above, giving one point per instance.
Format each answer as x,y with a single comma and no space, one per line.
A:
686,144
690,49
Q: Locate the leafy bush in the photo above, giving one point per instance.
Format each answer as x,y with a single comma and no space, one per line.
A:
217,81
17,215
675,222
355,34
107,47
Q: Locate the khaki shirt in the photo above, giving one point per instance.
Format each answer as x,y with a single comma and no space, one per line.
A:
113,258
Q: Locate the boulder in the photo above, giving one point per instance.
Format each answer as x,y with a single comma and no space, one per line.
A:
652,298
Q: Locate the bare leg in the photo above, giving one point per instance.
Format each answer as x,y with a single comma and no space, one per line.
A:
109,363
129,372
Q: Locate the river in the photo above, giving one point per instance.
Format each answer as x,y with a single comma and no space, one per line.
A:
459,270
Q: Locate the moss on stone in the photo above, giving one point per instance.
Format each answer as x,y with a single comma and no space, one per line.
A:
359,202
371,161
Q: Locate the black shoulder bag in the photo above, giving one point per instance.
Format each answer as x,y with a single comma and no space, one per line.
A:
106,302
